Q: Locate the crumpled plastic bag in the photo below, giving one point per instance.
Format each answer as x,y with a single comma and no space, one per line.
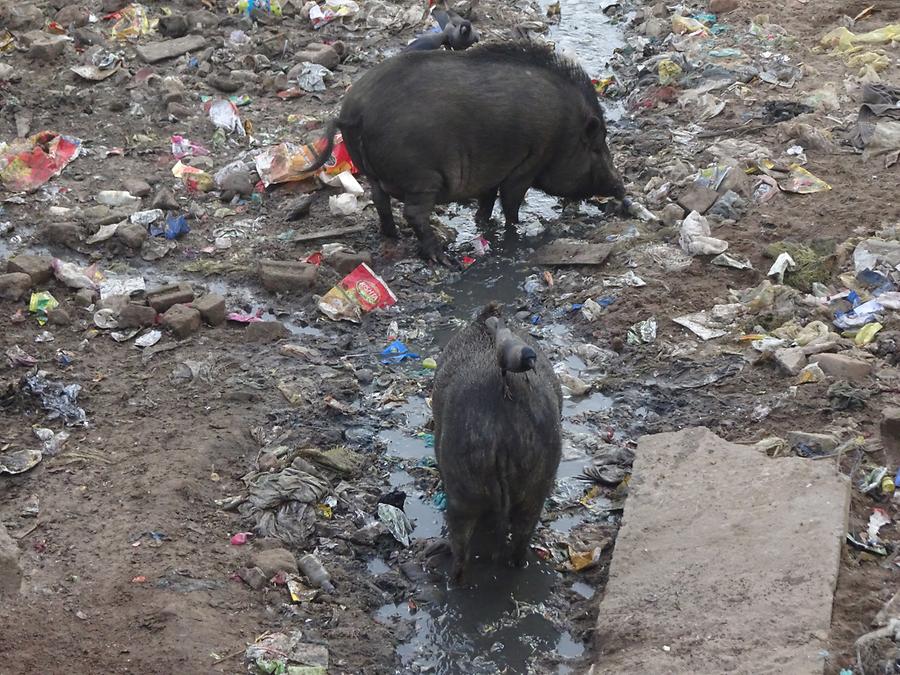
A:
283,504
287,654
842,39
312,77
396,521
695,237
57,399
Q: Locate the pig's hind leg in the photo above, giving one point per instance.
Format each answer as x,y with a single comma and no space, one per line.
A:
512,194
485,206
462,527
417,210
523,519
383,206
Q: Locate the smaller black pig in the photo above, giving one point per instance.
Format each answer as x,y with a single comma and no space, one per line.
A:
497,454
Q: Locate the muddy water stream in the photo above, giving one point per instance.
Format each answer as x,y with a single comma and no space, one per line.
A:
501,622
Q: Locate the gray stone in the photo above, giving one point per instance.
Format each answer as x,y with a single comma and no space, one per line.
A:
280,276
324,55
723,6
181,320
345,262
812,442
273,561
18,16
85,297
253,577
201,20
38,267
58,316
10,570
698,198
223,83
671,214
657,28
43,46
14,285
726,561
791,360
164,199
72,15
211,307
135,315
137,186
160,51
890,433
132,235
843,367
66,234
163,298
266,331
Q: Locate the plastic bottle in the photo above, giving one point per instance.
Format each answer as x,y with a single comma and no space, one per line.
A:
318,576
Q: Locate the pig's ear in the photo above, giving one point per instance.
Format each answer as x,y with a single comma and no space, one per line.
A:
594,127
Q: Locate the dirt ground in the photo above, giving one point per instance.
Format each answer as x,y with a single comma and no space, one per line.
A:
124,533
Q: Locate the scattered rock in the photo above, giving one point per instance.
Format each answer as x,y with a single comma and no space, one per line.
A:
891,609
182,320
14,286
254,577
723,6
38,267
135,315
324,55
365,376
345,262
791,361
10,570
164,199
843,367
66,234
132,235
163,298
657,28
21,16
671,214
266,331
211,307
136,186
890,432
280,276
160,51
273,561
58,316
173,26
85,297
72,15
223,83
43,46
202,20
698,198
816,443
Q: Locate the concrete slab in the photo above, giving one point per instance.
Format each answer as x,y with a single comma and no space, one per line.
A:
726,562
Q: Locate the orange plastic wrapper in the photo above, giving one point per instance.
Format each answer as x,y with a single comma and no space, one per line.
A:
195,179
360,291
288,162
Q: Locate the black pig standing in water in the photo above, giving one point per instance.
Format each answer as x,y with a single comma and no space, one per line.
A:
431,127
497,454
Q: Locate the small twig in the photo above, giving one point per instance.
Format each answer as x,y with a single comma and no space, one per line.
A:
229,656
22,535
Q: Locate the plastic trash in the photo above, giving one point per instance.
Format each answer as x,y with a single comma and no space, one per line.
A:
345,204
396,522
685,24
269,6
41,303
146,217
132,21
312,77
174,226
194,178
360,291
315,572
183,147
643,332
224,115
75,277
241,538
867,333
320,15
57,399
396,352
783,263
695,237
28,163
